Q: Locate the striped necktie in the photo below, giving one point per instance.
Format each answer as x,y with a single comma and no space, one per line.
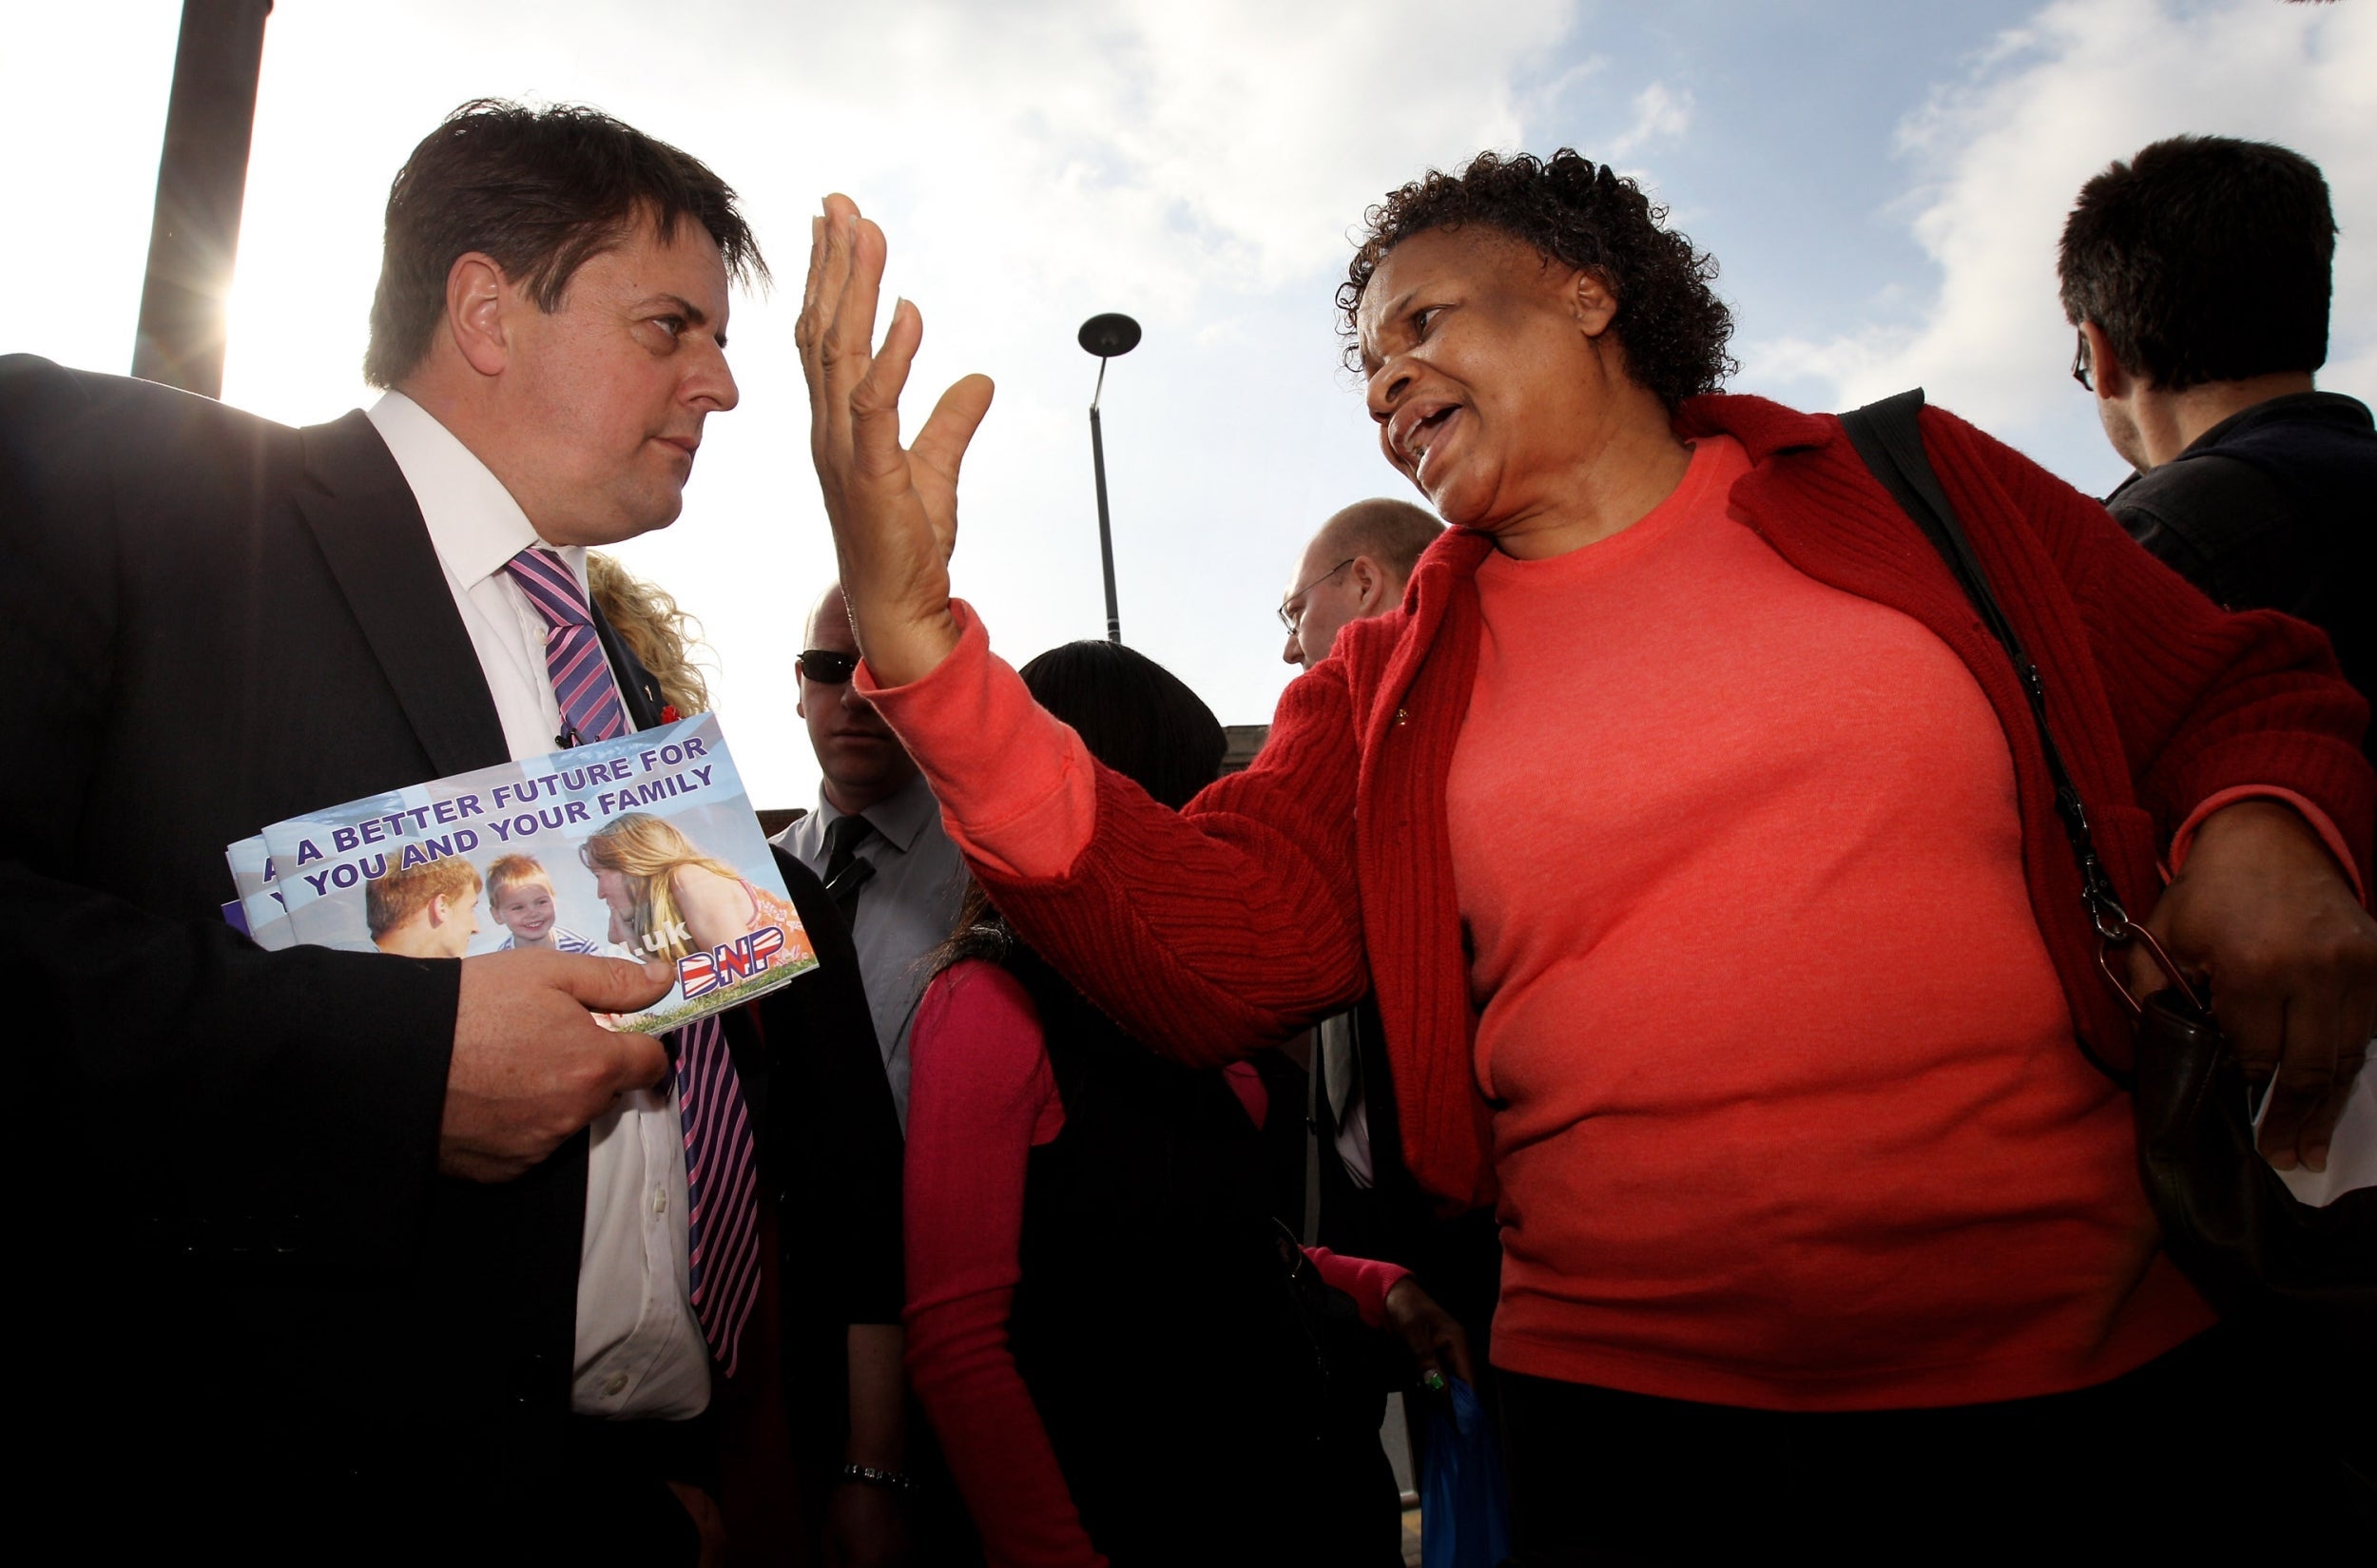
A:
720,1163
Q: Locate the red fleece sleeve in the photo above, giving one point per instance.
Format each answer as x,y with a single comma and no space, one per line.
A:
1206,933
980,1095
1366,1280
1018,789
2321,823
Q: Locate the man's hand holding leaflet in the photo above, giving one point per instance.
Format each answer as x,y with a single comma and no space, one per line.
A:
531,1066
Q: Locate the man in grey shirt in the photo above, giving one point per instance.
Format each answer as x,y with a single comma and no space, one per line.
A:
874,837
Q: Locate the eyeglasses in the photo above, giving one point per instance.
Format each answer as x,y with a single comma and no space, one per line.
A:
1291,610
2082,372
828,668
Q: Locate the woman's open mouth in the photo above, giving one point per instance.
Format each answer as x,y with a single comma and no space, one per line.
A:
1428,437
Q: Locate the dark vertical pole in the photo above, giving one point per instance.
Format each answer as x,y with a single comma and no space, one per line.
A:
202,181
1106,526
1106,335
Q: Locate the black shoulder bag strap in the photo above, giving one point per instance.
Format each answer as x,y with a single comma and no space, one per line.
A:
2228,1220
1887,436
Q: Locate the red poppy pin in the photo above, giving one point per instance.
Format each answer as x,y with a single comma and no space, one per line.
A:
668,714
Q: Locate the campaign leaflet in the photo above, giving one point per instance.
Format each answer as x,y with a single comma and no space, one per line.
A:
258,910
642,847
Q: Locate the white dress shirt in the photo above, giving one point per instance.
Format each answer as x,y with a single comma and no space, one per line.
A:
905,910
640,1352
1349,1107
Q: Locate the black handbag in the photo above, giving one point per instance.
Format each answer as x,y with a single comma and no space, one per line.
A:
2229,1221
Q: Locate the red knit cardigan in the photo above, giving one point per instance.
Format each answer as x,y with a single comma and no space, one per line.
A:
1325,868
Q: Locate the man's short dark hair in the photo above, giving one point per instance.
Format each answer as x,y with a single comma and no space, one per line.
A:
543,192
2204,258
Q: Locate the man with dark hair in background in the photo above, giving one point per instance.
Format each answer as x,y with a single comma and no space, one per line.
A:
355,1281
2197,275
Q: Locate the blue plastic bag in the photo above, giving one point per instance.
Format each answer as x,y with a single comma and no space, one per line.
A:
1464,1511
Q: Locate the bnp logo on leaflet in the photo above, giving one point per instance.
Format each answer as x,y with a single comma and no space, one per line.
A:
701,973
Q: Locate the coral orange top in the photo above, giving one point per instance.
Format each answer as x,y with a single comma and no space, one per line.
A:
1785,1112
1772,1039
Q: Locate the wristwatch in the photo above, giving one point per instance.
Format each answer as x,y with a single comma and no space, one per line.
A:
867,1475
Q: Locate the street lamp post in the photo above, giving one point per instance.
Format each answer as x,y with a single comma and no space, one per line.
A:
1106,337
202,185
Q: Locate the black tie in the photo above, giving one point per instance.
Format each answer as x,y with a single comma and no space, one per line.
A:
844,872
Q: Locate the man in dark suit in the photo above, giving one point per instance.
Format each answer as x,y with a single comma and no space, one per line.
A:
337,1270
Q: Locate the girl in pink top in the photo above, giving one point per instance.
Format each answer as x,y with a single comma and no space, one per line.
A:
1101,1315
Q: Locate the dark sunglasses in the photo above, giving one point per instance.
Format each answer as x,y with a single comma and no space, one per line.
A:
2082,372
825,666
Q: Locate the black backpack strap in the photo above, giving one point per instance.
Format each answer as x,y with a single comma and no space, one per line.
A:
1888,436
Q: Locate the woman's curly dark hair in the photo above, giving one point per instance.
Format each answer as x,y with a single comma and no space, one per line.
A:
1673,325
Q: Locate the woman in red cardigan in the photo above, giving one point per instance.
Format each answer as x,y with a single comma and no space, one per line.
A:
1697,844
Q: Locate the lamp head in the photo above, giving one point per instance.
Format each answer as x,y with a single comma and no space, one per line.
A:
1108,334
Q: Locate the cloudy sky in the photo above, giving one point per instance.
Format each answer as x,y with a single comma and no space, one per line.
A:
1883,184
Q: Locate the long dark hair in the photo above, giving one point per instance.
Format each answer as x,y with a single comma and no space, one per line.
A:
1137,718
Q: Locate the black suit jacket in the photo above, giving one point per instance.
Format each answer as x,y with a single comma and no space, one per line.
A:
209,622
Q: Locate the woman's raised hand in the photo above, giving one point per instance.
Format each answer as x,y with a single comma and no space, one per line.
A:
894,509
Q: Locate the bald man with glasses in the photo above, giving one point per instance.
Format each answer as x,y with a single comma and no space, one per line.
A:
1354,567
1359,1198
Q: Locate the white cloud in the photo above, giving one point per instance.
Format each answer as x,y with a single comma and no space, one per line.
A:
1196,166
81,178
1658,113
2000,153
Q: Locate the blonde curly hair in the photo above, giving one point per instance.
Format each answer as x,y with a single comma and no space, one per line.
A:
655,629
